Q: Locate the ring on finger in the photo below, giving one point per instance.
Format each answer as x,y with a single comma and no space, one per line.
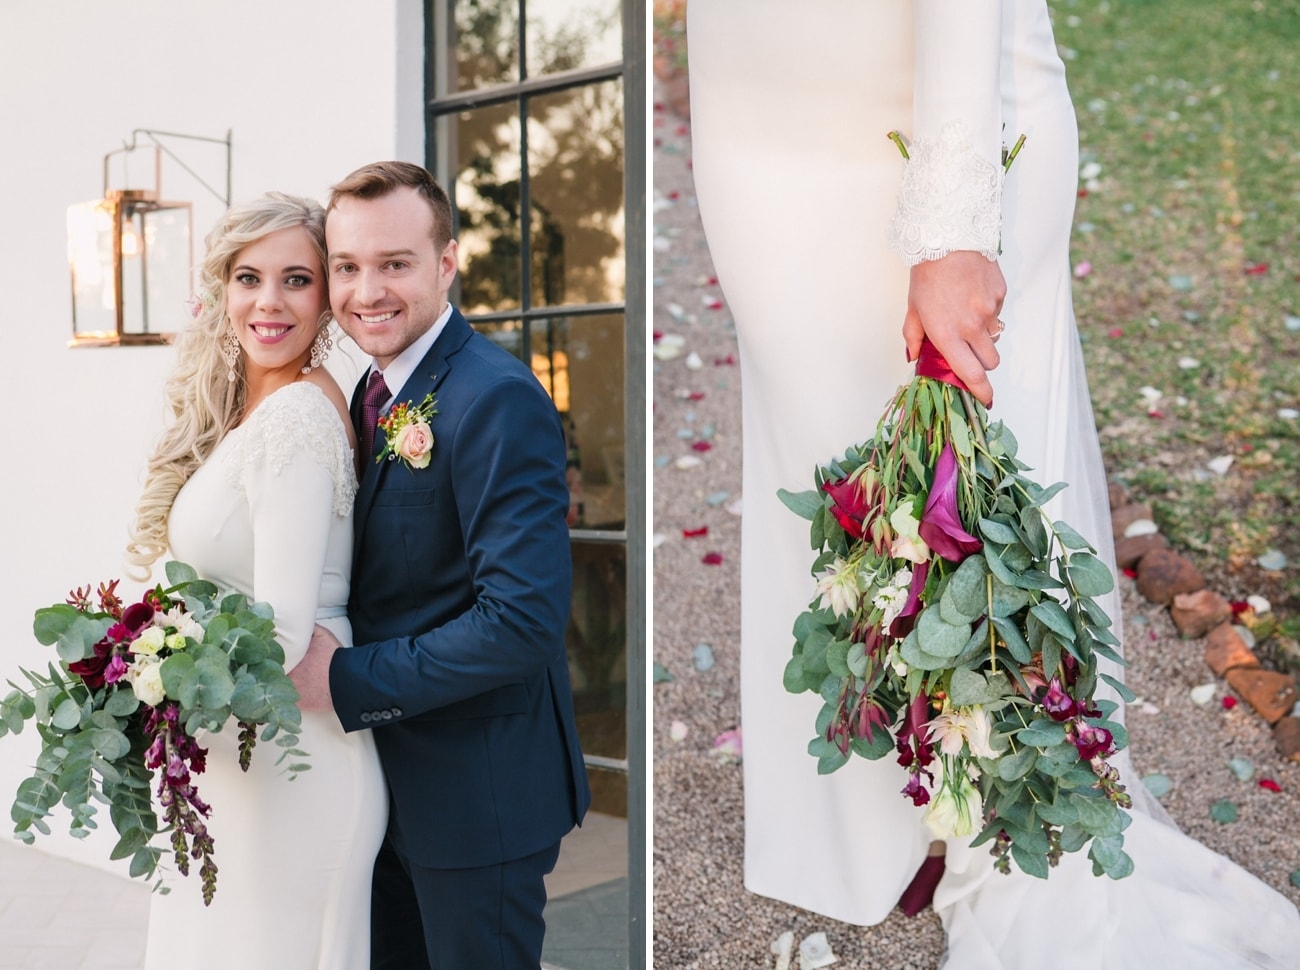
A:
998,332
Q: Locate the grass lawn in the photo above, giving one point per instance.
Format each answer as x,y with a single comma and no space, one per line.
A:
1188,272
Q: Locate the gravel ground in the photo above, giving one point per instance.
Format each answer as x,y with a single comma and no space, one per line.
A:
702,916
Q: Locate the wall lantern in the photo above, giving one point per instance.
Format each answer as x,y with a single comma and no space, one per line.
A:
131,254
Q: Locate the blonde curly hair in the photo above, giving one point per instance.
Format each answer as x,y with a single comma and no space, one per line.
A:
202,401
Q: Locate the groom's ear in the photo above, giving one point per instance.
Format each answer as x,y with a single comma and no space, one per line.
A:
448,262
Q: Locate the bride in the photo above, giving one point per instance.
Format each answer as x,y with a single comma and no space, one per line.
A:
252,484
808,207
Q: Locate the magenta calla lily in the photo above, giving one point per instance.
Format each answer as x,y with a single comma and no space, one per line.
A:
941,526
906,618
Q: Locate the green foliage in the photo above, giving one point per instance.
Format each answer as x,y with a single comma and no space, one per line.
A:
94,739
987,632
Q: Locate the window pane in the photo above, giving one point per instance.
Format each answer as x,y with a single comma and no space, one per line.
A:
487,206
487,43
580,362
508,335
575,165
587,893
563,35
597,641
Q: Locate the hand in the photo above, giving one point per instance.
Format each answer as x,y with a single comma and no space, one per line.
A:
312,674
955,301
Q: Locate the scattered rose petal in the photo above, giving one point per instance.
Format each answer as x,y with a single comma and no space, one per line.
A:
1140,527
678,731
1150,395
1224,812
1295,879
701,446
685,433
1090,170
658,539
1288,414
1082,270
1256,269
1291,323
661,674
703,657
1156,413
1180,282
669,346
717,498
1203,694
1273,560
727,361
1270,784
1229,702
693,361
1147,707
735,508
688,461
1115,332
694,533
1221,464
1130,572
1247,636
1258,604
712,303
815,952
661,461
728,746
712,559
1239,607
1243,768
1188,363
1158,785
783,947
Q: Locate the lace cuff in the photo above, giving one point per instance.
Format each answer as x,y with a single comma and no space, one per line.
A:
950,199
297,419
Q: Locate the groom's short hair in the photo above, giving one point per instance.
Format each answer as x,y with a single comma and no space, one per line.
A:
379,178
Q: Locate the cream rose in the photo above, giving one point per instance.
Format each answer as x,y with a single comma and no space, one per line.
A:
149,642
145,677
413,444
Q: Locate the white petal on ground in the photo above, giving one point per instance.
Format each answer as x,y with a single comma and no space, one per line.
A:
693,361
1140,527
1202,694
815,951
1258,604
1221,464
688,461
784,949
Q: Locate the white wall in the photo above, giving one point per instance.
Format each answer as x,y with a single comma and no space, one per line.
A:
310,88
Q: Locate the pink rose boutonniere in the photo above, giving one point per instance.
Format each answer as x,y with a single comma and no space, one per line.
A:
407,434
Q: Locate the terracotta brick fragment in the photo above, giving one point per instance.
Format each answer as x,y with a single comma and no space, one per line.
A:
1226,650
1270,693
1129,550
1124,516
1117,494
1163,574
1286,734
1196,614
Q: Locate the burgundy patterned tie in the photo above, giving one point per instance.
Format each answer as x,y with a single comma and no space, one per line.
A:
376,394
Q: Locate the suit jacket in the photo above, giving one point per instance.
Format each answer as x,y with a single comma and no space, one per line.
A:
460,594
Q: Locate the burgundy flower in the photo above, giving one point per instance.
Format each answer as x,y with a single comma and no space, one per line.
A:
849,504
906,618
913,744
916,791
941,522
115,670
1092,741
136,617
91,670
1059,705
870,716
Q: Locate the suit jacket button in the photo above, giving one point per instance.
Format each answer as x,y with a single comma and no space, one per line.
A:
397,712
365,717
386,715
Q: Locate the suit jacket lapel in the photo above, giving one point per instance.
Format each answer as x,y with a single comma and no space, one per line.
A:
424,380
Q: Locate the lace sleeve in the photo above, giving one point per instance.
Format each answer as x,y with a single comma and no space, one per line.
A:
295,420
950,199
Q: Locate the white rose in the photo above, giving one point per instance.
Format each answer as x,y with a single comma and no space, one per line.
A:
953,814
145,676
150,641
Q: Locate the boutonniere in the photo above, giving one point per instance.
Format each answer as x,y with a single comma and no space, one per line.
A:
407,434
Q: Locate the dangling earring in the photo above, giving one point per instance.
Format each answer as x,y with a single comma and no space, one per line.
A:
230,350
320,349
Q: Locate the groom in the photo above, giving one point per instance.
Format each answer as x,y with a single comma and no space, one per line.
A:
460,597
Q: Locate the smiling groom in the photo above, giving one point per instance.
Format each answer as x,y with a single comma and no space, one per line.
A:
460,596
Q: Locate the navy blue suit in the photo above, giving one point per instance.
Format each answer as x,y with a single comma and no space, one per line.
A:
461,585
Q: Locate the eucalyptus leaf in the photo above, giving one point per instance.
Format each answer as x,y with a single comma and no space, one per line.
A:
1031,863
1013,638
995,530
67,714
1054,618
939,638
970,687
1069,538
1018,764
1089,575
837,653
802,504
965,597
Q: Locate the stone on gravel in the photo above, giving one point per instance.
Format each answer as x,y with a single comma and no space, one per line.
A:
1129,550
1196,614
1124,516
1225,650
1163,574
1270,693
1286,733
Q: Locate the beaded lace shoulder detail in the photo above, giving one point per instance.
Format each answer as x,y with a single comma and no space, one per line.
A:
297,418
950,199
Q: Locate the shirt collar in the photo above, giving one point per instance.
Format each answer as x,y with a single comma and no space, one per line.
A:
397,373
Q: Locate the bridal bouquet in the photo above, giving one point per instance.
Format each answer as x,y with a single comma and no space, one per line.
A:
133,687
954,624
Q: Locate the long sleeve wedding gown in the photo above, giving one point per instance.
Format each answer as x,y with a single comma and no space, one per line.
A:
270,514
807,206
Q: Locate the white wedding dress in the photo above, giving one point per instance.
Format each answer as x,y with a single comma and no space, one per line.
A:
799,190
270,514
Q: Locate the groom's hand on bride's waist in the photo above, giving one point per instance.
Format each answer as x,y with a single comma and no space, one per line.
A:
312,674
